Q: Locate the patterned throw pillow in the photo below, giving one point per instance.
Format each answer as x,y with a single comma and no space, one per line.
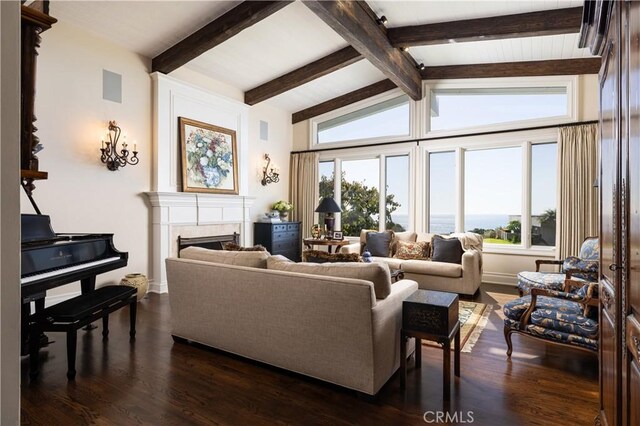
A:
235,247
410,250
317,256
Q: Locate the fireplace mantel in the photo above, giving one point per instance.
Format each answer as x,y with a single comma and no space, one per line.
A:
171,210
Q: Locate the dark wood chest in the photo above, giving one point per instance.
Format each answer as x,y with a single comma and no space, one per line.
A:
279,238
431,312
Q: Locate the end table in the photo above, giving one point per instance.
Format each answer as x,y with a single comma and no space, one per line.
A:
431,315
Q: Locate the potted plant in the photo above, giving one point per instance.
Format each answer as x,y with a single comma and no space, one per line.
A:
283,207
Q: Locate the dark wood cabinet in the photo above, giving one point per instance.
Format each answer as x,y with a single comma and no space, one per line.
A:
279,238
619,24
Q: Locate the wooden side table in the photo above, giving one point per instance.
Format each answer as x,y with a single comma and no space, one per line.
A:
431,315
310,242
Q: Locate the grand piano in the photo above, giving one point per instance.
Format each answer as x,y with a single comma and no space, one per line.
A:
51,260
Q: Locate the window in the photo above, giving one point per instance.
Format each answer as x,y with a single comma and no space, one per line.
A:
397,197
385,119
326,171
544,177
493,194
442,192
487,106
360,196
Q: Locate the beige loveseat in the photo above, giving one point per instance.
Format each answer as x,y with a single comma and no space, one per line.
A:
333,329
464,278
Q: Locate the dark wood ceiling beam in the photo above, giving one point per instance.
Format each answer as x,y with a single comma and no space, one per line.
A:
543,23
344,100
302,75
350,20
515,69
219,30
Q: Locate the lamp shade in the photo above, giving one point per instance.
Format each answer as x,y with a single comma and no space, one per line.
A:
328,205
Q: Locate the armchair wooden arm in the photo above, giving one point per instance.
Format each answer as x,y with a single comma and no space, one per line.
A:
547,262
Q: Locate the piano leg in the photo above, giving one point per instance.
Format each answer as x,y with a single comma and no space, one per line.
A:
24,326
88,285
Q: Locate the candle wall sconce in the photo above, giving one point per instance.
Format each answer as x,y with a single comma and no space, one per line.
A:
269,175
110,155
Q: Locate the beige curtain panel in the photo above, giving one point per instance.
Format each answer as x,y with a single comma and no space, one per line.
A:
304,188
578,199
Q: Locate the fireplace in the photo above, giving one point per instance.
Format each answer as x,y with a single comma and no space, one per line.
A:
213,242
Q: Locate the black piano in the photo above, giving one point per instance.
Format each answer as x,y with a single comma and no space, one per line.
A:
50,260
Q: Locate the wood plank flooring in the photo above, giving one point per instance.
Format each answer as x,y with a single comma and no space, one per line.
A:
156,381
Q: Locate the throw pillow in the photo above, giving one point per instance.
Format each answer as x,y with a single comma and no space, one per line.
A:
317,256
254,259
408,251
230,246
379,243
447,250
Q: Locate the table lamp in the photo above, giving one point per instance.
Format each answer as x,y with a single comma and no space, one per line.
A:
328,206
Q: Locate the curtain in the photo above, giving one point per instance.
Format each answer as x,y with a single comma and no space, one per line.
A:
578,199
304,188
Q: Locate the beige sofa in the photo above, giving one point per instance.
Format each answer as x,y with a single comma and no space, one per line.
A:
464,278
333,329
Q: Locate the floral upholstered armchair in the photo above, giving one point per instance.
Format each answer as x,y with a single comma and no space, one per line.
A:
566,317
583,268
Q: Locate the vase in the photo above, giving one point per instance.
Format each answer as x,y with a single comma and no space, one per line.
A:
284,215
138,281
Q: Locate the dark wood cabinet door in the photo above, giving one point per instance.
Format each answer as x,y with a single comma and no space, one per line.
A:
610,138
631,376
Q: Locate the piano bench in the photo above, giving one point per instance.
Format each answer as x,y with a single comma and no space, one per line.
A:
75,313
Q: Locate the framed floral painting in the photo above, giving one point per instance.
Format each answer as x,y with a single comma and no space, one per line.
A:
209,158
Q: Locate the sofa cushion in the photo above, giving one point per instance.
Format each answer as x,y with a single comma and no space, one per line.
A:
424,236
392,262
376,272
428,267
317,256
412,250
446,250
254,259
379,243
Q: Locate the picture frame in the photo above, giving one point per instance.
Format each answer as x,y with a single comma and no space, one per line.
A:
209,157
337,235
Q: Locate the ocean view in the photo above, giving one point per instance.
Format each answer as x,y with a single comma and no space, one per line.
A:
445,223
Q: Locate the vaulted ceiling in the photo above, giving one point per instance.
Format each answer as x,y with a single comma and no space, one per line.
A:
282,38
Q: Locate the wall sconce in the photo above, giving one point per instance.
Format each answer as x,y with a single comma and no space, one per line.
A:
110,155
269,175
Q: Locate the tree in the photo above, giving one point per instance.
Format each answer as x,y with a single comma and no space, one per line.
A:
549,216
360,205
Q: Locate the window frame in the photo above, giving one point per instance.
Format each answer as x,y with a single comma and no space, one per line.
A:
381,154
391,94
460,145
569,82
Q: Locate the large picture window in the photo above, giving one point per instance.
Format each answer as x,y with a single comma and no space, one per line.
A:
493,194
397,193
389,118
442,192
544,176
360,196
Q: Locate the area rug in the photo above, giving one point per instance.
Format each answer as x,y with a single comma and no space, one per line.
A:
473,319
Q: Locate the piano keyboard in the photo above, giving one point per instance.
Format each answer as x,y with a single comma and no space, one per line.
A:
74,268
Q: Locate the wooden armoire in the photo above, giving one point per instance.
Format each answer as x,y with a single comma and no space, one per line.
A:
612,29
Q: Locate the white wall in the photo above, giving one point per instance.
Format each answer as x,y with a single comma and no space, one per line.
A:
278,146
9,215
81,194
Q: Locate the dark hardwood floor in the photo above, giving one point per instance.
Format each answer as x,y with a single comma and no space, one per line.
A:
157,381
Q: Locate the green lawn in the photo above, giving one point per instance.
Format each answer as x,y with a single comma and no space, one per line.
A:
497,241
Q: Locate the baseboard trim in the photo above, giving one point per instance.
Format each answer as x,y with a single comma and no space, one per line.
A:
499,278
59,298
159,288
